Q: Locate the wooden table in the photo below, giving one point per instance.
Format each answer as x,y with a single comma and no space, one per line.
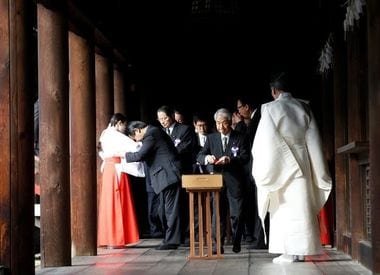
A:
203,187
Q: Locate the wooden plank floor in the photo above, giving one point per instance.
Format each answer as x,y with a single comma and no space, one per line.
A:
144,259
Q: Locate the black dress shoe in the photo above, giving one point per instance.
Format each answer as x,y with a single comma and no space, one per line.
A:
236,248
221,250
166,246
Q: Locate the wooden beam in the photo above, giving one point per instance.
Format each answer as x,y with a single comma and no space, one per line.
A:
16,138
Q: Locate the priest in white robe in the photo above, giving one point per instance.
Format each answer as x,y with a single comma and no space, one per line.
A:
291,174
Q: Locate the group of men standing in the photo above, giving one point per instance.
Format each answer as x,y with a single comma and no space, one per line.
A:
177,149
279,168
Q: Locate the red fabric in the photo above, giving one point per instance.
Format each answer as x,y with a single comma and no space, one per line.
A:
325,223
131,231
117,223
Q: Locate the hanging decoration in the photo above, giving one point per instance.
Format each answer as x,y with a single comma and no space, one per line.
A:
353,11
326,58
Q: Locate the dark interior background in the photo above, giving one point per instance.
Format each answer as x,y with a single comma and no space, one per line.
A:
197,55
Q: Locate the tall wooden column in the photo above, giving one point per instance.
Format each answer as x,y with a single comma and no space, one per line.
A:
356,132
83,146
119,93
54,137
340,112
326,214
16,138
104,100
373,9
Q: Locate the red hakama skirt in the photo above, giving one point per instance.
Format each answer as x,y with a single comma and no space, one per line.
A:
117,223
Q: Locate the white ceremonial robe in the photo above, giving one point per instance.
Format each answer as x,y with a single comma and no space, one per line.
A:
290,171
116,144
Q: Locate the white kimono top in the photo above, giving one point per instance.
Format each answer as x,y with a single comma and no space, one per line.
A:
293,182
116,144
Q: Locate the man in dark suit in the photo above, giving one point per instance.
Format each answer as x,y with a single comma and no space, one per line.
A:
250,114
183,138
164,169
201,128
181,134
228,151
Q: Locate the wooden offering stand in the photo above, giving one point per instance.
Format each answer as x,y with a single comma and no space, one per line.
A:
203,186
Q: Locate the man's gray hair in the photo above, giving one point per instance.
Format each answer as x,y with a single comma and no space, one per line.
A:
223,112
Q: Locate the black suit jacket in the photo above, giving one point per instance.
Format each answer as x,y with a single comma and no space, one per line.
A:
199,167
183,137
238,150
250,129
161,159
252,125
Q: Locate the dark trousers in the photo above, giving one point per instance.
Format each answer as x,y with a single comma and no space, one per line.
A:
184,215
155,226
249,211
235,207
169,214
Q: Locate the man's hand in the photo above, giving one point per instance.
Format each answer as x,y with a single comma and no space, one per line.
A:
210,159
222,161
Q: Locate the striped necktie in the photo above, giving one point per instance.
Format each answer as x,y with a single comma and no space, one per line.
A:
224,144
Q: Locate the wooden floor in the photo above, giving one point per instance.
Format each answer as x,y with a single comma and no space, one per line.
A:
144,259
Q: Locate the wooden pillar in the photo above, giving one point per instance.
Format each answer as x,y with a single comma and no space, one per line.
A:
354,124
104,92
340,113
5,136
357,132
16,138
373,9
104,100
54,137
119,92
83,146
326,215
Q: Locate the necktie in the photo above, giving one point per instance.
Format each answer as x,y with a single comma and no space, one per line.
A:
224,144
168,131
